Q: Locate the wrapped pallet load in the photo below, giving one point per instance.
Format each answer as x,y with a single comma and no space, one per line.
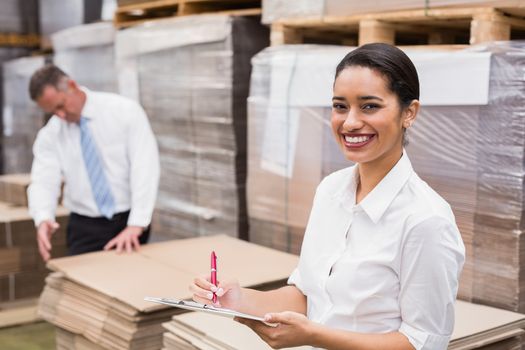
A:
86,53
19,16
21,117
57,15
191,74
7,54
467,143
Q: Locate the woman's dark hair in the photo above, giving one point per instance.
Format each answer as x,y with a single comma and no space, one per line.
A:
392,63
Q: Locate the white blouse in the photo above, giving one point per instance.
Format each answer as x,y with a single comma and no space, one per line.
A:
390,263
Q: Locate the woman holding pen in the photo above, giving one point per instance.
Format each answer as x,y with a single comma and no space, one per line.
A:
382,254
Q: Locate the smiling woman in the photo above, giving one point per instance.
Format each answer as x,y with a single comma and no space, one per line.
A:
382,253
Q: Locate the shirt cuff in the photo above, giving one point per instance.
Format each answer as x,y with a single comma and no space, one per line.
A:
38,218
295,279
421,340
138,219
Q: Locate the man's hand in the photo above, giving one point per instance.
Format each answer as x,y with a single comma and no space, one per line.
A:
127,240
43,235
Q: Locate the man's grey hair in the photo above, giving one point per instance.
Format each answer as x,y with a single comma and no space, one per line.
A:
49,75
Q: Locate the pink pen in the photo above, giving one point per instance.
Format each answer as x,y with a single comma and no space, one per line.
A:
214,273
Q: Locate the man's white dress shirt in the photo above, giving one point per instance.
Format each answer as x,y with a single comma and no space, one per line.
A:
129,154
390,263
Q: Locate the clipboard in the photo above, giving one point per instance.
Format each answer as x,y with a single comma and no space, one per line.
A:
194,306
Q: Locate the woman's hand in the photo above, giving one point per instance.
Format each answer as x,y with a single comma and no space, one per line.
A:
229,294
294,329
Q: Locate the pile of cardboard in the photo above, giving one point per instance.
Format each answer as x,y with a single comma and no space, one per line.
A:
467,143
196,330
7,54
13,189
86,53
290,142
86,300
57,15
484,327
191,75
19,16
476,327
22,119
22,270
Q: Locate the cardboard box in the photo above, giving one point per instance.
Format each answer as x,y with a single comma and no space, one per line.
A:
84,297
192,74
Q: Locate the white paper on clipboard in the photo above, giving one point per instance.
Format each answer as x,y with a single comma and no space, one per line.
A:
193,306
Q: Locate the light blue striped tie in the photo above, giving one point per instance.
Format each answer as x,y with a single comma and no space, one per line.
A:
97,177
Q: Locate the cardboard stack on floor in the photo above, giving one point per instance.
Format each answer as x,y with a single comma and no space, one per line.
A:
22,119
467,144
197,330
18,18
191,74
86,300
476,327
22,271
291,147
57,15
87,54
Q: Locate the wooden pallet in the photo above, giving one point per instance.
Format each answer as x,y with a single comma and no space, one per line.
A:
19,40
133,14
413,27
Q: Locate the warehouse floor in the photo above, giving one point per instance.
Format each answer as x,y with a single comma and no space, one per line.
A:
35,336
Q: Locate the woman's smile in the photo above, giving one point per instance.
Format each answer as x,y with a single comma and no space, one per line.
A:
357,140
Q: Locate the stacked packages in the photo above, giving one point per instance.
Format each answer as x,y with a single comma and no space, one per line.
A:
467,144
57,15
7,54
22,119
476,327
191,74
19,16
89,305
22,271
86,53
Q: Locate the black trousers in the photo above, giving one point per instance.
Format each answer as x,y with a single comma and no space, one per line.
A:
86,234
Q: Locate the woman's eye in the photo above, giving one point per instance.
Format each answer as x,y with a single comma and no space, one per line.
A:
370,106
338,106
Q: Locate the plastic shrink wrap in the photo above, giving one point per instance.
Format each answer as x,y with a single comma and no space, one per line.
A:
191,74
467,143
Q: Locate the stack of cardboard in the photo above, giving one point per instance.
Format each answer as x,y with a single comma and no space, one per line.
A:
7,54
22,271
86,53
19,16
57,15
17,19
291,147
70,341
467,144
487,328
84,298
13,189
476,327
21,117
191,74
196,330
